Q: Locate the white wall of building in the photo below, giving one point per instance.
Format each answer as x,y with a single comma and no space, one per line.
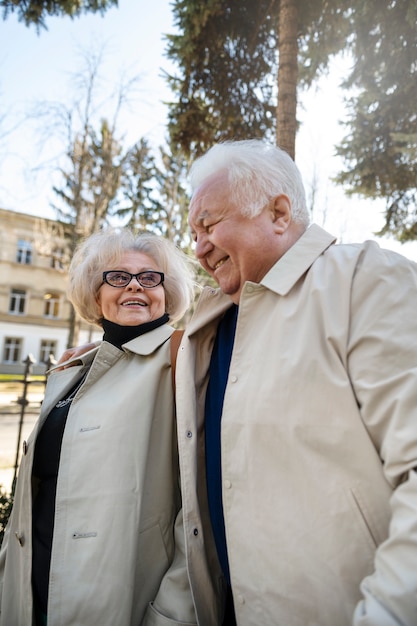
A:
32,337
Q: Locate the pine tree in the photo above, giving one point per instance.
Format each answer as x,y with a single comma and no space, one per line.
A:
240,64
34,12
380,148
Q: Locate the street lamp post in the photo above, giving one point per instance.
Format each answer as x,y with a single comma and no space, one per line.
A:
23,401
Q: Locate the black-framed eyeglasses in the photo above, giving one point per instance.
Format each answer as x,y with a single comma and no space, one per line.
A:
119,278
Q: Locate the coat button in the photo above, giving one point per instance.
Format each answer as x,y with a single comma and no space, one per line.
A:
195,532
189,434
25,447
20,538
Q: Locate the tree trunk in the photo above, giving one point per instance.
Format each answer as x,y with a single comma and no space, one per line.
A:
287,76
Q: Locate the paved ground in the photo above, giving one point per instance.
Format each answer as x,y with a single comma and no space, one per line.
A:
10,415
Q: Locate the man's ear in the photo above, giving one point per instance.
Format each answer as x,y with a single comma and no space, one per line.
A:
281,212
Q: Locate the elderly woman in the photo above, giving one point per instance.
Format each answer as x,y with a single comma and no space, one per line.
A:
95,537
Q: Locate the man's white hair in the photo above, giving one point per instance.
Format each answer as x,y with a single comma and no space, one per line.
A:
256,172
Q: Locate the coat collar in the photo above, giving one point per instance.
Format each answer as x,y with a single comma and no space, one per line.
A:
297,260
75,368
144,344
149,342
280,278
211,304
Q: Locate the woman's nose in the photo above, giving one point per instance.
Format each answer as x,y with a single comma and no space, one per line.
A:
134,284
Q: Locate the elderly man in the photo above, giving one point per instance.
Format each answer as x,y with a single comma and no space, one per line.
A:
297,409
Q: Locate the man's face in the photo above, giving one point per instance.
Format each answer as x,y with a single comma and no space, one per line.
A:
232,248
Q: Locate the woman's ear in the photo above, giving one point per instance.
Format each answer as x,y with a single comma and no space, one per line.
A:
281,212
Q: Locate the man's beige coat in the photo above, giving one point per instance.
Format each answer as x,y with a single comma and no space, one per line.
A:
117,498
318,441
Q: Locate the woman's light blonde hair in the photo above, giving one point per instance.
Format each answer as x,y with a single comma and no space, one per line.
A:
103,251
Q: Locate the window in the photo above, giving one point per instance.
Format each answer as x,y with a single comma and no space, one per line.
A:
12,350
24,252
51,305
48,347
17,301
57,258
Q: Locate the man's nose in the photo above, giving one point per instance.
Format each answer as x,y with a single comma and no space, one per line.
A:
202,246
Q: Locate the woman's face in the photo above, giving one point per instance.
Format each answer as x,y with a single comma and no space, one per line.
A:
133,304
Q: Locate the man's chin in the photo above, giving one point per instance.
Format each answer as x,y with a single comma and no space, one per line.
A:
230,290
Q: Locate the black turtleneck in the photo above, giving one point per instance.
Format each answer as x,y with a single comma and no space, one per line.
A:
119,335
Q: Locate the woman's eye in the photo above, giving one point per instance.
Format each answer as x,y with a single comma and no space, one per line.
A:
117,277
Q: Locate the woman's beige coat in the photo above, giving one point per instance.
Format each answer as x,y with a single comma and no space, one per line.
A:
318,441
117,498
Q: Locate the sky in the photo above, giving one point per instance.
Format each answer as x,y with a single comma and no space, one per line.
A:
40,68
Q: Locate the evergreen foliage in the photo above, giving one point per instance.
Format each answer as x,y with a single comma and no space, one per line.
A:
34,12
228,57
235,73
380,148
224,88
6,504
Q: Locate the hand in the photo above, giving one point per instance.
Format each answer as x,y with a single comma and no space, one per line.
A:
70,353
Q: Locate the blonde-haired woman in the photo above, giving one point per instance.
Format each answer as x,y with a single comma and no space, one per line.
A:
95,537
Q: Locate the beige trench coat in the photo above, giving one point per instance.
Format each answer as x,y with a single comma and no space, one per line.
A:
318,441
117,498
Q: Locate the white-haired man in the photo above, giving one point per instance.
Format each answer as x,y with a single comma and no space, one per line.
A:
296,408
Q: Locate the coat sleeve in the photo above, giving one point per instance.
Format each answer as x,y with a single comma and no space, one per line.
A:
173,603
382,364
3,551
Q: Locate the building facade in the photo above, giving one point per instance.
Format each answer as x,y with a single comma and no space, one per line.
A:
34,310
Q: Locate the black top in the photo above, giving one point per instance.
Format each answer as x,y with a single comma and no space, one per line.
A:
118,335
45,476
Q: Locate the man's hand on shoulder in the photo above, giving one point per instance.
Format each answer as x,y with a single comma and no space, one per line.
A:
71,353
